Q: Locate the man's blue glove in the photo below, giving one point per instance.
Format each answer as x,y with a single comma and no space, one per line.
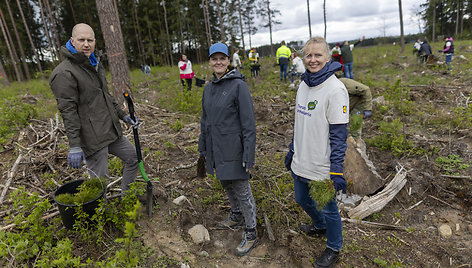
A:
440,51
129,121
76,157
367,114
248,165
339,182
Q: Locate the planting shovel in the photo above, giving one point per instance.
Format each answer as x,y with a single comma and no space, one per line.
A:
140,157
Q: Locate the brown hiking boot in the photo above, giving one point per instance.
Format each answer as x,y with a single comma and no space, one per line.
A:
247,244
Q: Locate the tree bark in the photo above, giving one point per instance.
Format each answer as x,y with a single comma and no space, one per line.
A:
10,46
457,17
46,30
3,74
402,36
208,22
38,62
115,48
324,17
309,18
241,26
20,46
73,12
270,27
138,33
167,34
434,21
220,18
55,33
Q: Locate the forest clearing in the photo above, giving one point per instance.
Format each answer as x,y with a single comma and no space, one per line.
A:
421,123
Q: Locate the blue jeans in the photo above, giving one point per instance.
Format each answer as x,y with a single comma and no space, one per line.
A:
448,61
328,217
348,69
283,71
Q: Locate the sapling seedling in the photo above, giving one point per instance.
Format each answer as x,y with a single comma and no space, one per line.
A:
322,192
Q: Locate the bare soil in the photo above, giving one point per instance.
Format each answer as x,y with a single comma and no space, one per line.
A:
170,156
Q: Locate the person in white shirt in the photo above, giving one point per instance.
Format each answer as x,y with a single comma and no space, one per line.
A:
236,60
298,68
319,144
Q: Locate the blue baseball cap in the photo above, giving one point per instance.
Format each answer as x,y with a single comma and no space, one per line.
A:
218,47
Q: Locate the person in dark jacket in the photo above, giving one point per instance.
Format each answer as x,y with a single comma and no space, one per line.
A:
348,60
448,50
319,144
228,142
90,114
425,51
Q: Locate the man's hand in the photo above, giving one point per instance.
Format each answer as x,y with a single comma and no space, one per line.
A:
339,182
129,121
76,157
367,114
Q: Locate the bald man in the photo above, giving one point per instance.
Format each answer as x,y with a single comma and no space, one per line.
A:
90,114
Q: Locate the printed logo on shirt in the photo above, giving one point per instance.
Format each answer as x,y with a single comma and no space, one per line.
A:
344,109
312,105
302,110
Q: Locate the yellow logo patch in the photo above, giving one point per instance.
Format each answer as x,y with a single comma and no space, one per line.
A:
344,109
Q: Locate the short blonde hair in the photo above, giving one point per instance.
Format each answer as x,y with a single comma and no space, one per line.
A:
316,40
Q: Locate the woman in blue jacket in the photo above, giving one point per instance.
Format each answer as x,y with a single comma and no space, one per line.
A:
228,142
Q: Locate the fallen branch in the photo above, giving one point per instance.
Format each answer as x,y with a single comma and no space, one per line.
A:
380,200
10,176
375,224
182,167
455,176
42,218
444,202
415,205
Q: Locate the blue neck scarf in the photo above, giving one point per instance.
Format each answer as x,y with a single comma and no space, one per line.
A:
314,79
92,58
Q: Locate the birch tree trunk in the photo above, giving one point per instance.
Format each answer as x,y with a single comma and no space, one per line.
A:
38,62
115,48
10,46
20,46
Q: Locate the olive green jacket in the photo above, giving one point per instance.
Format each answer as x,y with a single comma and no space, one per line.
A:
360,98
91,115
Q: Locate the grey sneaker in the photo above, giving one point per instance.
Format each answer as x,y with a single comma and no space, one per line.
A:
232,223
247,244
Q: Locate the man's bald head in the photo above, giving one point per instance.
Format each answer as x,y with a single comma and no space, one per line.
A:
80,27
83,39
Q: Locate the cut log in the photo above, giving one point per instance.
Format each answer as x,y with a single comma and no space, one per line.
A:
378,201
360,170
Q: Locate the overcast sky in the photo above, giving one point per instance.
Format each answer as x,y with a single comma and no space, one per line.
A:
346,20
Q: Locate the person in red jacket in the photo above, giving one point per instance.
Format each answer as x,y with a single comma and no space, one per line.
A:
186,72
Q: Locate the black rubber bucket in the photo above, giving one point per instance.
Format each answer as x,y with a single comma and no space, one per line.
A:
67,211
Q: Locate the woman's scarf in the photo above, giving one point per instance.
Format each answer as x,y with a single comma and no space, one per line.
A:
314,79
92,58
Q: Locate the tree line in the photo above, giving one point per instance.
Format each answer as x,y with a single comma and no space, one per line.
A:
156,32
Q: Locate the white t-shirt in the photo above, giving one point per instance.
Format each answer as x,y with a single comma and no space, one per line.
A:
316,108
299,66
236,60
